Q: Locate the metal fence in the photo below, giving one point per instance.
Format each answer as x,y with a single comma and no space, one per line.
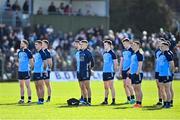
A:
14,18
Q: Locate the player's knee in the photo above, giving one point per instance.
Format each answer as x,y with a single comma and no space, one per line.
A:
47,83
112,87
106,87
88,88
136,88
21,85
83,87
28,86
129,85
49,87
125,85
158,86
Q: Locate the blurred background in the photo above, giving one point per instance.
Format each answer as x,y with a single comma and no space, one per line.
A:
63,21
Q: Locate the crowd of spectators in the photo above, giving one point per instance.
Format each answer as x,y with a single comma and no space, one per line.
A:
8,6
61,45
64,9
53,9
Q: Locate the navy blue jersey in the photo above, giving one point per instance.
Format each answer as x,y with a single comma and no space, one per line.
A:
135,59
86,60
157,54
23,57
108,59
48,56
126,54
172,54
164,67
39,58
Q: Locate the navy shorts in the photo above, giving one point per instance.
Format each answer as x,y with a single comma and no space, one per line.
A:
46,76
165,79
157,75
171,77
108,76
37,76
83,76
136,79
24,75
125,74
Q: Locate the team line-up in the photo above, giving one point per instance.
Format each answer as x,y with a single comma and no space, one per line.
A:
129,69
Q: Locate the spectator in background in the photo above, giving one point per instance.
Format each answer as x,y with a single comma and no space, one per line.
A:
79,12
130,34
81,35
161,33
88,13
144,37
26,7
111,35
20,34
27,30
49,29
52,9
16,6
67,10
60,9
118,43
123,34
40,11
7,5
18,20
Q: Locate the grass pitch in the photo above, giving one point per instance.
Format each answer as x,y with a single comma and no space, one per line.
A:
58,109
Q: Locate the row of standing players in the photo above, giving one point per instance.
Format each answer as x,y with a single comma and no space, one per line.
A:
40,64
130,69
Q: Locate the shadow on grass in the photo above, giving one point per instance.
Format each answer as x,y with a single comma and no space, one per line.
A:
125,107
97,105
28,104
152,107
75,106
24,104
67,106
8,104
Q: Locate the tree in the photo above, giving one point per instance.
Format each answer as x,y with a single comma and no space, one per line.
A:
140,15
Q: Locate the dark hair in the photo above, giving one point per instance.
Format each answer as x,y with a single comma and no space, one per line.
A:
26,42
162,39
137,42
38,41
84,41
46,41
108,41
125,39
77,41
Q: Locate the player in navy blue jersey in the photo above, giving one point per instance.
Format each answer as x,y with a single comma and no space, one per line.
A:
45,44
125,70
25,61
157,54
172,77
77,55
136,72
166,70
109,70
84,74
39,68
